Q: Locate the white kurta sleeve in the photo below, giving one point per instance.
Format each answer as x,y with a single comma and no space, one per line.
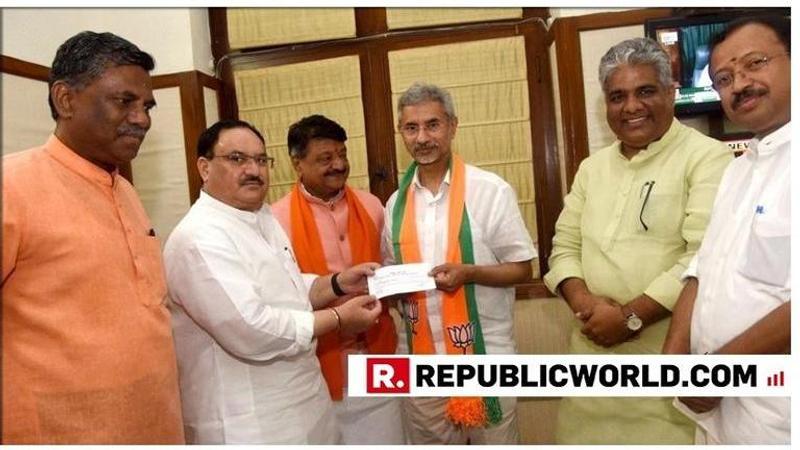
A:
691,269
507,235
208,279
309,279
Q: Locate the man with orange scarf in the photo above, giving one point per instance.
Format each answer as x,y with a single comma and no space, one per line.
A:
466,223
332,227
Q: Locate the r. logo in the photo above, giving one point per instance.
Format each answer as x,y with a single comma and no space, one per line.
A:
388,376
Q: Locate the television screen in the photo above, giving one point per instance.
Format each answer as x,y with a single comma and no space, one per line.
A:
687,46
686,41
688,50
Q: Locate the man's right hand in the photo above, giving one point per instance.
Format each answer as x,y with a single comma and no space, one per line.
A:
359,313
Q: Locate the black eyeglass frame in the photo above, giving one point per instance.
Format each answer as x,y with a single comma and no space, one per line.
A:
649,186
240,159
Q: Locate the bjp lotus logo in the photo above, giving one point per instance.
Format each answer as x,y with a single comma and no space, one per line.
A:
462,336
412,314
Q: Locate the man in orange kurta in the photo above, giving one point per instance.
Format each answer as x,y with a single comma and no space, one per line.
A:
333,227
87,352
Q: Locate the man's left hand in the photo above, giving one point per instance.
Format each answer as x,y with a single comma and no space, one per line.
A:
354,279
605,325
451,276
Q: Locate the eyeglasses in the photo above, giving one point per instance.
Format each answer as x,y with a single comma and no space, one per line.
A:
240,159
412,129
648,185
748,64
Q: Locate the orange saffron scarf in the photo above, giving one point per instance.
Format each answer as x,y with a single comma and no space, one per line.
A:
459,309
364,247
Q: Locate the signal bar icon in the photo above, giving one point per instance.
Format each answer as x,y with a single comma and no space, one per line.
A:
775,379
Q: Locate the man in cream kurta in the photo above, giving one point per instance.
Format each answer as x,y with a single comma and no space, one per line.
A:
631,223
243,315
743,302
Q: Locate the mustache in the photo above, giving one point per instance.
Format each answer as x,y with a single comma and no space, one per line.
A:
132,131
745,94
342,172
251,178
418,147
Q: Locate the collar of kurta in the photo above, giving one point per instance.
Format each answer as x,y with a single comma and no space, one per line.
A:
418,185
249,217
314,199
76,163
771,142
675,130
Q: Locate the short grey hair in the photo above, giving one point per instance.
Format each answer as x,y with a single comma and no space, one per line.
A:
422,92
638,51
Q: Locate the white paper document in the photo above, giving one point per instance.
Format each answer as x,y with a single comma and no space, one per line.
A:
400,279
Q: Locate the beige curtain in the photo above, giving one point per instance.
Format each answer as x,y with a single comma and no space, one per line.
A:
26,119
256,27
273,98
488,81
420,17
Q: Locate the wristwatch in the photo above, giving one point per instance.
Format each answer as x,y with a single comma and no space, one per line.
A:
632,321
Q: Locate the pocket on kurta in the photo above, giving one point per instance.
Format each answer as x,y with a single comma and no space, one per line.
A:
767,256
663,215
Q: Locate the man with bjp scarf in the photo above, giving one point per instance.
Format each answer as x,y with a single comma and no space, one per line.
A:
466,223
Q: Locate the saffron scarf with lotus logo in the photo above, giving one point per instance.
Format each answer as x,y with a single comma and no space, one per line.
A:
459,308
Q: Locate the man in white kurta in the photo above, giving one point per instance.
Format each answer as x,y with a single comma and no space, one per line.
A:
502,247
744,272
243,318
743,268
255,375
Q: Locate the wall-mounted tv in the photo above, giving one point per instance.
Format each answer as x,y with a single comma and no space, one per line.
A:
686,41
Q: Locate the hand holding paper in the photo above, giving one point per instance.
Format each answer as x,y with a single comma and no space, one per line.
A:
353,280
450,277
401,279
